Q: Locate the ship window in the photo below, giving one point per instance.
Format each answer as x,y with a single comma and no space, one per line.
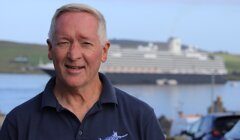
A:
116,55
150,56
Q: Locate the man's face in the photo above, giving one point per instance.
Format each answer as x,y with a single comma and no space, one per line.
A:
76,50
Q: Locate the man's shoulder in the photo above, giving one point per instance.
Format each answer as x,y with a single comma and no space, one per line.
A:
27,108
131,102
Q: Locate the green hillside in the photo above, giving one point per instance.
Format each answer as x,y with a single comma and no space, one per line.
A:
232,62
21,57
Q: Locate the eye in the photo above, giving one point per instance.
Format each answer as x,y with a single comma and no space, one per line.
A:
63,43
87,44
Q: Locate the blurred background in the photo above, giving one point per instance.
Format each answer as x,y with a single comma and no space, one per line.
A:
183,56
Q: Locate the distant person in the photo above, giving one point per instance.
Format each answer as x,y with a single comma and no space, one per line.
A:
79,102
217,106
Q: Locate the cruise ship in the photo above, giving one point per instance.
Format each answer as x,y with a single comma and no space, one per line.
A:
169,63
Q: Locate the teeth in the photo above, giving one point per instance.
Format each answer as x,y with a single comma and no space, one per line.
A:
74,67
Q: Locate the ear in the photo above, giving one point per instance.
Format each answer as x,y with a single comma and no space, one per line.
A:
105,51
49,49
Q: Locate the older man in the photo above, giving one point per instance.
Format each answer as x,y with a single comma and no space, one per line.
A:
79,102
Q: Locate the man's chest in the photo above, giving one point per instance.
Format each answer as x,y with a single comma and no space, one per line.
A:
93,127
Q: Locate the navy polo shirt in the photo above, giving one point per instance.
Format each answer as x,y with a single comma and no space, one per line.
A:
115,116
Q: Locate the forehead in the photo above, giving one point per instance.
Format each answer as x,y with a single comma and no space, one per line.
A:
76,23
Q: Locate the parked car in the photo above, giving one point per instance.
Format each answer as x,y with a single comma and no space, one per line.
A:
182,122
234,133
212,126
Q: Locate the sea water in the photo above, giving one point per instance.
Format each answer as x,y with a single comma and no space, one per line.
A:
165,100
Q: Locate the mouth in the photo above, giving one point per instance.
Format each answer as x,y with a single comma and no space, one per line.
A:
74,67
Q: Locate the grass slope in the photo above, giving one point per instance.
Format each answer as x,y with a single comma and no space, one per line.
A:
9,51
232,63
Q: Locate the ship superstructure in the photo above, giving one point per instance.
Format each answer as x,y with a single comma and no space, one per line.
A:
149,64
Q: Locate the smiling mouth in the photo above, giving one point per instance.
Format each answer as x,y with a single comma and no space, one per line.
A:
74,67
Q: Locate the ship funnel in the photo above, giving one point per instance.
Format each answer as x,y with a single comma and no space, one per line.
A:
174,45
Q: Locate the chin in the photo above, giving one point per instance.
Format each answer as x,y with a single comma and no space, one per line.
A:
74,82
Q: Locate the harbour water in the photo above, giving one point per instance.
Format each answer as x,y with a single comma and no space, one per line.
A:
166,100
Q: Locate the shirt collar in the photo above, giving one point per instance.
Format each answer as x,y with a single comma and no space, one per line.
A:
48,98
108,94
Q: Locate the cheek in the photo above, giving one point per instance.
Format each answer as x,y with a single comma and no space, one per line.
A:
94,56
94,59
59,54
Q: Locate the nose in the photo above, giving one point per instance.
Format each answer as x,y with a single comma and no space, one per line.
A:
74,51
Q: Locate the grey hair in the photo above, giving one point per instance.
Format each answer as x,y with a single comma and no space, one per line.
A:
80,8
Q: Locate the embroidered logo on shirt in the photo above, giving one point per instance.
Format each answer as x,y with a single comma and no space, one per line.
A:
114,137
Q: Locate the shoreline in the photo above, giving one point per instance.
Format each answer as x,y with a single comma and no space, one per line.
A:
2,117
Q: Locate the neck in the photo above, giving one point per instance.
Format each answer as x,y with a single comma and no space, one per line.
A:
78,100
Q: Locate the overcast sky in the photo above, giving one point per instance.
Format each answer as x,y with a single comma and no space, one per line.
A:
212,25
